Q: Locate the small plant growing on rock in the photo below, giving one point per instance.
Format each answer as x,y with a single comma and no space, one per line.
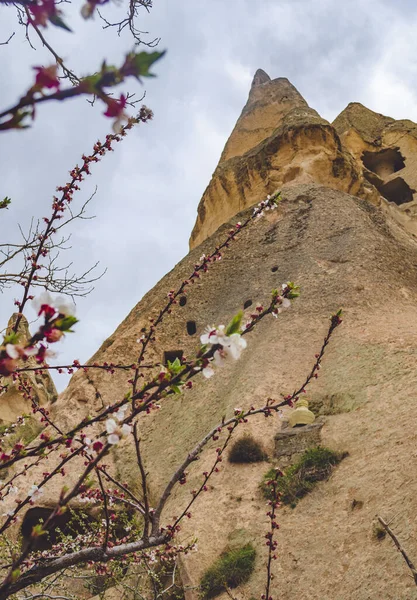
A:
316,464
231,569
378,532
247,450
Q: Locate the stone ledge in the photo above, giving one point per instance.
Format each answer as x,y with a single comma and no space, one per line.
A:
291,442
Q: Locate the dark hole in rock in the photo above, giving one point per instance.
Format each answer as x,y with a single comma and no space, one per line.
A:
191,327
398,191
247,304
71,523
171,355
274,269
183,301
385,162
356,504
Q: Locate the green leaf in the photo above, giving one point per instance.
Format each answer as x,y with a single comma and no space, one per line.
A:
175,366
294,290
12,338
139,64
5,202
58,22
235,323
65,323
15,575
89,85
176,389
276,198
37,531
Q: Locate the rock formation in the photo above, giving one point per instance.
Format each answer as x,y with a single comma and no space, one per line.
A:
12,404
345,233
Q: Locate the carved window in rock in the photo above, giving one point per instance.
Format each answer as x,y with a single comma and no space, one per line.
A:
191,327
171,355
398,191
385,162
70,524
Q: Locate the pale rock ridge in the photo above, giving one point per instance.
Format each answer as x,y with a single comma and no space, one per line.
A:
260,77
278,139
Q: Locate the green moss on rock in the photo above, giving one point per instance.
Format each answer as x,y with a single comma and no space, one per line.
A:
231,569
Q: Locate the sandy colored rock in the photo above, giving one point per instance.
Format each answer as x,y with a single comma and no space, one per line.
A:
12,404
342,252
353,250
387,150
278,139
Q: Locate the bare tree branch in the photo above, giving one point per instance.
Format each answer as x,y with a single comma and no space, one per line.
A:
399,547
8,40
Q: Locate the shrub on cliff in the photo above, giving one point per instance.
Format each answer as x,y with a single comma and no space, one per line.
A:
231,569
247,450
316,464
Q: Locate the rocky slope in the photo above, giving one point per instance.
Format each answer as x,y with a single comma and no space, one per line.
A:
353,250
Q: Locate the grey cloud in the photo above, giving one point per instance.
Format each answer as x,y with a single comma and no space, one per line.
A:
148,190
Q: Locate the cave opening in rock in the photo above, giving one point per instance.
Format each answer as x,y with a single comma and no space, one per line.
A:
171,355
70,524
397,190
385,162
183,301
191,327
247,304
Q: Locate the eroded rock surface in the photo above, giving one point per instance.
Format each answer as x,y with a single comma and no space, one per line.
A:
278,139
352,250
388,152
343,252
12,404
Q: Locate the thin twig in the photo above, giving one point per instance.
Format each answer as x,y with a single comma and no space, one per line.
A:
400,548
8,40
106,510
143,477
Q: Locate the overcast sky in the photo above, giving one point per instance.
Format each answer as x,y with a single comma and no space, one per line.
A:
334,52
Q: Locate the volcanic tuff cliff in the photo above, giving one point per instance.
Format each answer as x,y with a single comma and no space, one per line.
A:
345,233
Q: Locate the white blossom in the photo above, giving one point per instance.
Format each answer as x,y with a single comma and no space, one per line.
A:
116,433
44,298
232,345
208,372
34,492
12,351
61,304
64,306
120,414
214,335
220,357
236,343
89,451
